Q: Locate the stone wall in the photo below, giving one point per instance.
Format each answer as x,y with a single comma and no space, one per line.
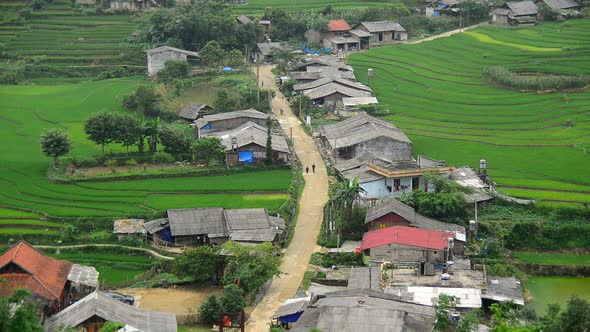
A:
157,61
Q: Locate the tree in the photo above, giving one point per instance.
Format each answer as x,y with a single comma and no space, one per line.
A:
150,130
210,310
175,138
575,317
223,103
232,300
284,58
128,130
234,58
101,129
24,317
250,266
199,263
55,143
148,101
211,54
469,322
209,149
474,10
174,70
268,160
443,305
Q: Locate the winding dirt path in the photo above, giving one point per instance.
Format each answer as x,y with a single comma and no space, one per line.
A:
313,198
149,251
448,33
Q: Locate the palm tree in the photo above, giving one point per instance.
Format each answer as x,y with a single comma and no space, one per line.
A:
150,130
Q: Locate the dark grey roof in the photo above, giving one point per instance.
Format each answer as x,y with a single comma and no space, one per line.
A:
561,4
501,11
364,310
324,61
171,49
243,219
249,113
83,275
360,33
128,226
290,307
191,111
250,133
109,309
243,19
363,174
327,80
332,88
315,75
197,221
156,225
359,129
503,289
266,48
254,235
522,8
414,218
365,277
380,26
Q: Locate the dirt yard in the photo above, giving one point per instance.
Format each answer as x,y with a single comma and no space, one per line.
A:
173,300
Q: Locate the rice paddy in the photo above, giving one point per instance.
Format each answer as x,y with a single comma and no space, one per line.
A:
257,7
536,143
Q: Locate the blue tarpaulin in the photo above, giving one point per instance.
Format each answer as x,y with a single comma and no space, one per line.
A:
436,13
291,318
246,157
207,126
167,235
227,69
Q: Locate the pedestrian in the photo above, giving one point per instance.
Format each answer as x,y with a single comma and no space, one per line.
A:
262,84
307,169
313,168
281,111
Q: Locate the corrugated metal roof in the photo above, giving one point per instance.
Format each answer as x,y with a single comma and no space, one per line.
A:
250,133
522,8
191,111
359,129
254,235
172,49
242,219
360,33
410,236
109,309
561,4
358,101
290,307
327,80
249,113
197,221
266,48
156,225
243,19
380,26
332,87
85,275
343,40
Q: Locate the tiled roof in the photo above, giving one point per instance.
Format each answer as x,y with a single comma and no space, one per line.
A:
42,275
409,236
338,25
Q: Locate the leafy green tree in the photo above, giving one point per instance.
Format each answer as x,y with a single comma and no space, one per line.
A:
209,149
24,317
268,160
234,58
445,202
469,322
101,128
175,138
575,317
199,263
211,54
128,130
223,102
444,304
284,59
210,310
474,11
150,130
250,266
55,143
148,101
233,299
174,70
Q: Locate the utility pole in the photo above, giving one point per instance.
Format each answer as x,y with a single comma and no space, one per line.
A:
269,102
247,64
257,83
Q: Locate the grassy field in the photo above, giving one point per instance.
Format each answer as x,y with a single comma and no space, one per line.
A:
436,95
26,110
552,258
547,290
112,268
256,7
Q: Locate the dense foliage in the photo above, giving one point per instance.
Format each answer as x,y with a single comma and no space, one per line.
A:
250,267
176,138
537,81
199,263
23,318
208,149
146,100
174,70
55,143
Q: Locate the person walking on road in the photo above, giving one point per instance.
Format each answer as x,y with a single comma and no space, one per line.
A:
313,168
307,169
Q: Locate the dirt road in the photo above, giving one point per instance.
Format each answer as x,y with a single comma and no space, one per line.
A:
149,251
315,195
447,34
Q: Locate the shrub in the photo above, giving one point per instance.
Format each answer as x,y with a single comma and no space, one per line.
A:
131,163
503,77
210,310
86,162
233,299
320,275
162,158
173,70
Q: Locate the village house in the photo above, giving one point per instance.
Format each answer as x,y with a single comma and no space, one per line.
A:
227,121
321,62
331,93
214,226
392,212
516,12
409,245
157,57
243,19
467,177
439,7
265,24
360,310
561,5
327,80
502,289
93,311
158,231
193,110
355,103
128,227
468,297
54,283
383,32
265,49
290,311
246,144
363,133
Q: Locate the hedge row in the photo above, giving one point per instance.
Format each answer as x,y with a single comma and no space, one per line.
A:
539,81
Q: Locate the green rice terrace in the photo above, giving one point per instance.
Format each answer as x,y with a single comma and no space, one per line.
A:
536,143
58,35
29,199
258,6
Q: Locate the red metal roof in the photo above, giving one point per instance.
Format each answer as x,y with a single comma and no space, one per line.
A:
409,236
40,274
338,25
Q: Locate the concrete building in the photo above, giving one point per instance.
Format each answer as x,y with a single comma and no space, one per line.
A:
382,32
228,121
360,134
157,57
407,245
246,144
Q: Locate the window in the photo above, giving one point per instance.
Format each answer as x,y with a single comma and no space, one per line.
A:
380,36
435,252
426,186
382,226
396,184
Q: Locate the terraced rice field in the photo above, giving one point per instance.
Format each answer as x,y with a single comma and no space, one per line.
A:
60,36
436,95
257,7
27,194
